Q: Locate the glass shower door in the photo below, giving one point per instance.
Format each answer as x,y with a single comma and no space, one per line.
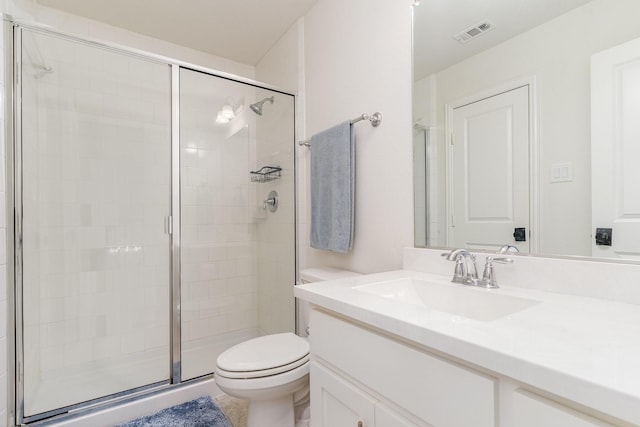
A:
93,187
237,256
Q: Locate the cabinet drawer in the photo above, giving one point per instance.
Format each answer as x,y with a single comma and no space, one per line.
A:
439,392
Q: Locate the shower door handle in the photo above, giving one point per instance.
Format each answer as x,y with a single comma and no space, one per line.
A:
19,237
19,231
168,225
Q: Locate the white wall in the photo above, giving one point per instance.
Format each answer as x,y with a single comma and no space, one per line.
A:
343,59
558,54
282,65
357,60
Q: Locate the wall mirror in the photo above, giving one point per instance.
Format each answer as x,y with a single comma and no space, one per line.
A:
527,126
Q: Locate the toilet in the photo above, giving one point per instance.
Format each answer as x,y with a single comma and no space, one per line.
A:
272,371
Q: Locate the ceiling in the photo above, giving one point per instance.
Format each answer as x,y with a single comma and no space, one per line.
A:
437,21
244,30
240,30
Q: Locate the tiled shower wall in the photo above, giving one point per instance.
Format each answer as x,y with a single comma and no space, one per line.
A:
276,238
218,267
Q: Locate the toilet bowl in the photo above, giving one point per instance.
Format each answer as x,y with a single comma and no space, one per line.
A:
272,371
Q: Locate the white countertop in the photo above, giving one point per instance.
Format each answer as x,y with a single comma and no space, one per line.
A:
583,349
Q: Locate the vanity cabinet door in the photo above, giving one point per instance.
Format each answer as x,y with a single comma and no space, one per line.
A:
530,410
337,403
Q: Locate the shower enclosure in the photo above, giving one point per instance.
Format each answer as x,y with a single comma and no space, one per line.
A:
142,247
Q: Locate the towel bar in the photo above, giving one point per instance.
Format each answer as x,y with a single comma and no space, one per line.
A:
375,119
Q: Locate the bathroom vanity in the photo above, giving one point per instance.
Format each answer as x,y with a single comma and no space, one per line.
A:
408,348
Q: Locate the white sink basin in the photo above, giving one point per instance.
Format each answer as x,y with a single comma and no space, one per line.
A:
473,303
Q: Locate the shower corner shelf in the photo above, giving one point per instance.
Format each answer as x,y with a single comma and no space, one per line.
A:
266,174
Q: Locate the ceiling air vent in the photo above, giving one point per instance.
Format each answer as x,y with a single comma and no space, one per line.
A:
474,31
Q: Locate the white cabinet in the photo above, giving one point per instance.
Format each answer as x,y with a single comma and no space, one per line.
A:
433,391
337,402
530,410
362,375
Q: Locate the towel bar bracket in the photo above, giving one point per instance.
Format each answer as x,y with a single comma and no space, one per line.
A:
375,119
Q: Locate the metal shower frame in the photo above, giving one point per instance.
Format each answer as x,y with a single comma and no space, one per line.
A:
15,348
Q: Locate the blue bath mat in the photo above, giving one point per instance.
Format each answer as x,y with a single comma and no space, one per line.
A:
201,412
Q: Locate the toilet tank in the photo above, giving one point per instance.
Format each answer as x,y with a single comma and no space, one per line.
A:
311,275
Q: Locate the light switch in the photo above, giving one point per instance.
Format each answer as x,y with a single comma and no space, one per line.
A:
561,172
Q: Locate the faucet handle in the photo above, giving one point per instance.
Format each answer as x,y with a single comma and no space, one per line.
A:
489,275
459,271
508,249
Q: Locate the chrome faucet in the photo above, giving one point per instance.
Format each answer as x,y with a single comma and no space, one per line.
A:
465,271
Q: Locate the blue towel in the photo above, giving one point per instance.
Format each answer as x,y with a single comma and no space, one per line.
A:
332,188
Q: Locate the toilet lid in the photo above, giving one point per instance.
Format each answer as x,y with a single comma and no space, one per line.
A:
266,352
301,365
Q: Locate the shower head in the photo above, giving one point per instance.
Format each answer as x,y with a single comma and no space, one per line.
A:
257,107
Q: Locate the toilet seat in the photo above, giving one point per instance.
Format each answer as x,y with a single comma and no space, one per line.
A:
263,356
263,372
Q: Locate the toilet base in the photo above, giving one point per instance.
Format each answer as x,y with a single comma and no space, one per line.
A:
270,413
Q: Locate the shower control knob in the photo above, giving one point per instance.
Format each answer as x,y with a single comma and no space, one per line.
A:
271,202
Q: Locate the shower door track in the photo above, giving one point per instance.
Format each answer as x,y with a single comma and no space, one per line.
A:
13,31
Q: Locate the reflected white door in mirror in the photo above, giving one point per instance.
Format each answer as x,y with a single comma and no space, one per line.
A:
615,151
488,194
